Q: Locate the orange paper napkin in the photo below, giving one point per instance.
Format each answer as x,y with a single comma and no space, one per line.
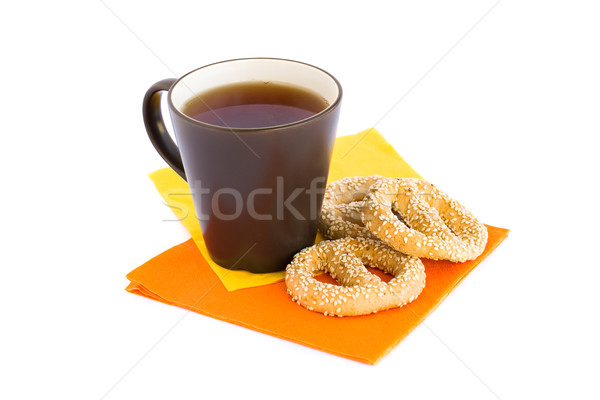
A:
183,277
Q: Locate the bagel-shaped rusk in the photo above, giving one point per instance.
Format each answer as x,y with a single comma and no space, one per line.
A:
342,203
414,217
361,292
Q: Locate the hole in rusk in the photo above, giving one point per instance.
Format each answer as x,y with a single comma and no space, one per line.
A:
384,276
326,278
400,217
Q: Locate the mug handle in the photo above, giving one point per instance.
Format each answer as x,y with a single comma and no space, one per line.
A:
155,126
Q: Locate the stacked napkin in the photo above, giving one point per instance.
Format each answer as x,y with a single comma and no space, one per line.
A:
185,275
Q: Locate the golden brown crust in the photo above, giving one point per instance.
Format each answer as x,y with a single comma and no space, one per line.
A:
416,218
360,292
340,215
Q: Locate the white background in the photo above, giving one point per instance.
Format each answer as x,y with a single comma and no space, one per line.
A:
505,119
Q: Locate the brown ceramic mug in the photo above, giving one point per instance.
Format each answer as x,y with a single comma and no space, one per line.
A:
257,191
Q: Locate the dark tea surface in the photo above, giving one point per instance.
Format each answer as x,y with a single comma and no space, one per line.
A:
254,104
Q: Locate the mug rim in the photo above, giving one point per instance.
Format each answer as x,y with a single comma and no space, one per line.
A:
326,110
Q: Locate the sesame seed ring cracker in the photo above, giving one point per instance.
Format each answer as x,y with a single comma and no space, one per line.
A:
342,203
361,292
416,218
